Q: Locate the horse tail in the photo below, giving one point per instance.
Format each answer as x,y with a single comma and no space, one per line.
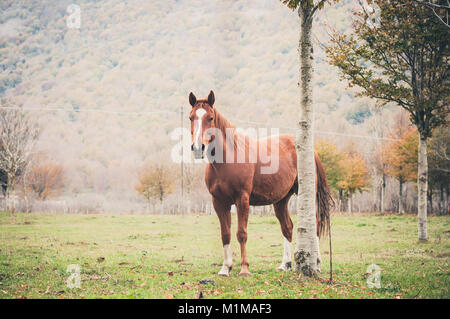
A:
324,200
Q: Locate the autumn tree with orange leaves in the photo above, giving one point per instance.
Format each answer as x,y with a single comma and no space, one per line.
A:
355,177
401,156
332,161
45,178
346,172
155,182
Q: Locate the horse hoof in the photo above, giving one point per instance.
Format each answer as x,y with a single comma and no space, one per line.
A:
223,274
245,274
225,271
282,268
285,266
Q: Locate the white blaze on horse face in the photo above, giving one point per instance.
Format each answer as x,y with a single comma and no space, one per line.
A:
227,261
198,133
287,256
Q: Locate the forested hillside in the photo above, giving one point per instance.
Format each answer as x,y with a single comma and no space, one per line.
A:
108,94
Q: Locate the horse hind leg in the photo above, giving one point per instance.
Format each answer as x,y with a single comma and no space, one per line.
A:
243,207
282,213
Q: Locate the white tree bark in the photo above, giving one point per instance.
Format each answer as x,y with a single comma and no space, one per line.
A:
422,185
306,251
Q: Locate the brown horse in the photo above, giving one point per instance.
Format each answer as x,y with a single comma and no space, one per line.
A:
232,180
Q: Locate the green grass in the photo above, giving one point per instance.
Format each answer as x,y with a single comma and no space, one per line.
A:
158,256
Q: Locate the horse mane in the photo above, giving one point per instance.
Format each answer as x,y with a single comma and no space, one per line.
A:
221,122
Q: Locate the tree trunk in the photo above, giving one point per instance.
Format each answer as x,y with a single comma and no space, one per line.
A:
27,208
13,204
349,199
10,196
306,251
422,186
446,205
188,204
8,204
400,198
383,188
430,199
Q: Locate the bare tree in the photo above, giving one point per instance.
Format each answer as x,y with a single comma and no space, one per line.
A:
18,134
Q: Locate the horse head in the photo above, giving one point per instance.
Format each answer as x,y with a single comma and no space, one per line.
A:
202,121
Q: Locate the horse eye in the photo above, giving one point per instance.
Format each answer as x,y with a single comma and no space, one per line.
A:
190,118
211,118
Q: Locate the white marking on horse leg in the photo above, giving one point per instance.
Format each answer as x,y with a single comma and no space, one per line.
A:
287,256
227,261
200,113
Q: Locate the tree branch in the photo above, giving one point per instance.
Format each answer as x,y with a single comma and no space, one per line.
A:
433,6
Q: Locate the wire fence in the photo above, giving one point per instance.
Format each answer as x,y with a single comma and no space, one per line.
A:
143,113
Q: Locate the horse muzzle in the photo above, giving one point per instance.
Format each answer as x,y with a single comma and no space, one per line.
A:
198,151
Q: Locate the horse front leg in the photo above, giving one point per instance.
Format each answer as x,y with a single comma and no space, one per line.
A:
243,207
224,214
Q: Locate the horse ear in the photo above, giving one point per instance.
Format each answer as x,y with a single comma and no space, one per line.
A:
192,99
211,98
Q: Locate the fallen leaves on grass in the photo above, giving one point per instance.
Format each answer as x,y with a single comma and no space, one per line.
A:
260,291
217,292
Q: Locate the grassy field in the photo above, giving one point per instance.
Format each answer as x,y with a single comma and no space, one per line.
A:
158,256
